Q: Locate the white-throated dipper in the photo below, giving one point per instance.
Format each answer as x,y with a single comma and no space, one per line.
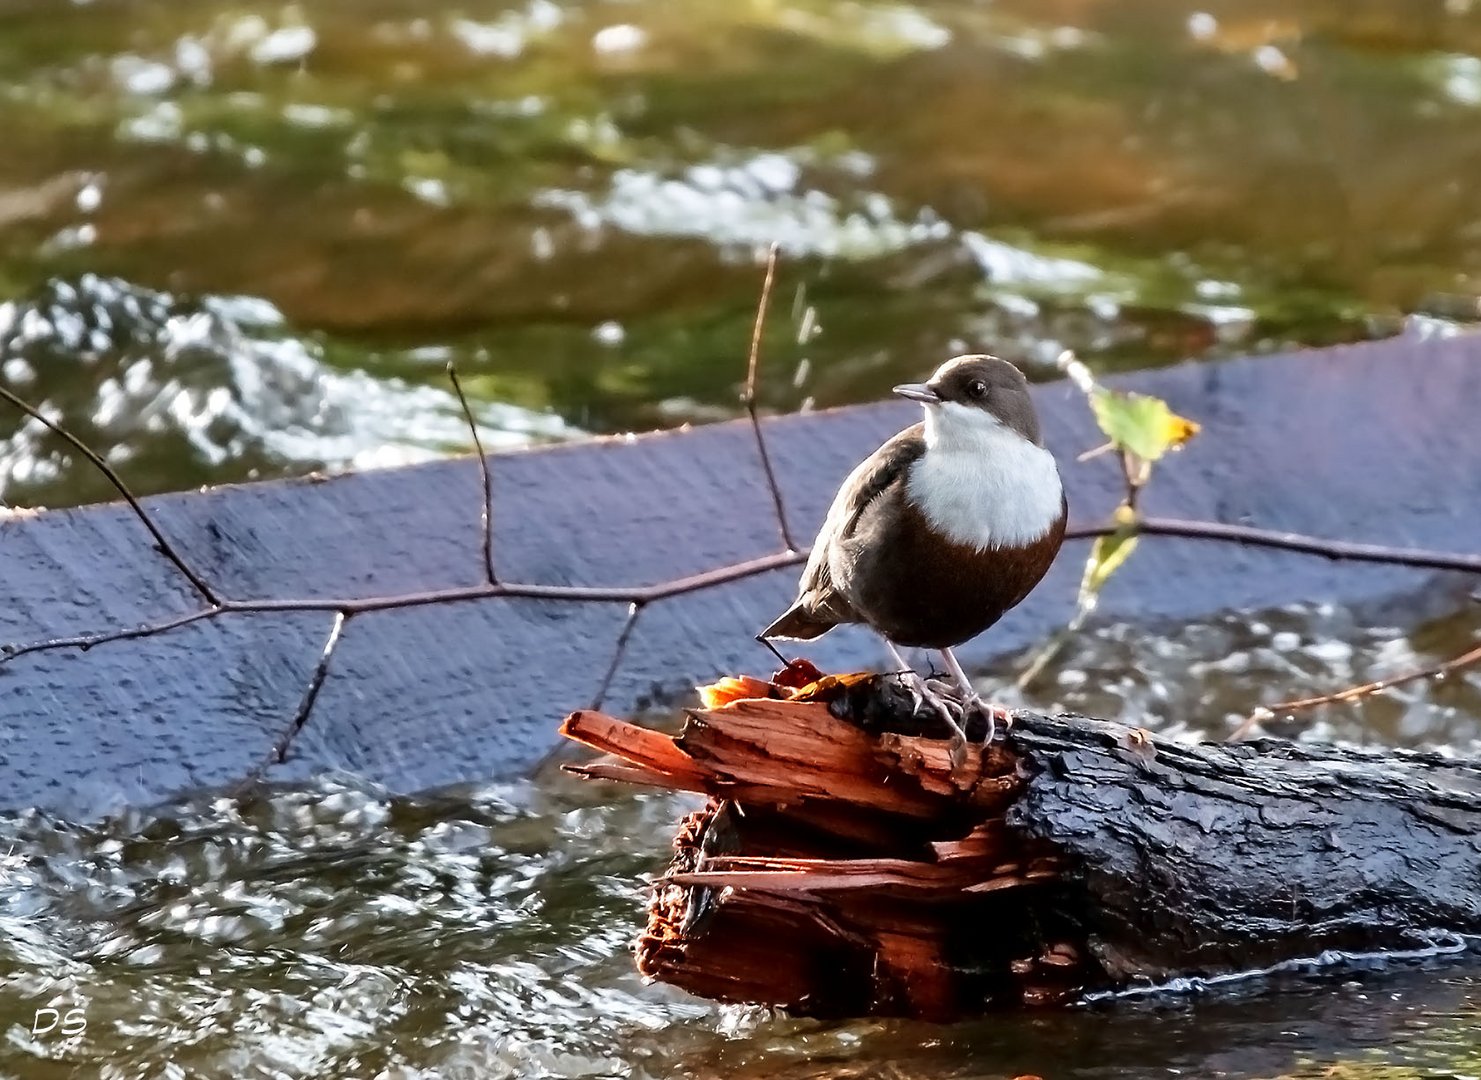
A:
942,530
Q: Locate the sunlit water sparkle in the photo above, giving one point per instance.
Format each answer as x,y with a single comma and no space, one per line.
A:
332,930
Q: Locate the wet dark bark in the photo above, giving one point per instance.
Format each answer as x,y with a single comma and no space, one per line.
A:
1218,857
843,868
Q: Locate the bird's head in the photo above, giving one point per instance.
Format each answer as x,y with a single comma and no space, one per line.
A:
972,396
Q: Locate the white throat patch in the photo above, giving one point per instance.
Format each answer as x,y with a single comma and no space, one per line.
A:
982,484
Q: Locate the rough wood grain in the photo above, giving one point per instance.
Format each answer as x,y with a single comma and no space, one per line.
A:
1217,857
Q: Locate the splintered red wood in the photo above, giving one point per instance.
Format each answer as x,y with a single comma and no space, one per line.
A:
836,870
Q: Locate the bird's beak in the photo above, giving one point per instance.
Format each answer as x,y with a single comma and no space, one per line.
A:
919,391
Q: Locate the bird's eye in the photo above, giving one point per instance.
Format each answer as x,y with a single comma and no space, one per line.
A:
977,388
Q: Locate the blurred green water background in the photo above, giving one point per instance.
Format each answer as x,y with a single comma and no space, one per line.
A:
240,240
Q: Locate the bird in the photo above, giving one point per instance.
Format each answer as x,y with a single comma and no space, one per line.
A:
940,532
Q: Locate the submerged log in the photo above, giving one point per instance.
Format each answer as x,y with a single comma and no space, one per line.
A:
841,867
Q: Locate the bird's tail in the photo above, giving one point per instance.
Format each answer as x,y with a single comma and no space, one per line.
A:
797,623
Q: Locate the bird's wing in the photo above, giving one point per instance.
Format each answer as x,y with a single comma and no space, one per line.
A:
866,483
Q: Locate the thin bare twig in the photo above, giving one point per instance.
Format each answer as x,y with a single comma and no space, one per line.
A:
618,651
1133,483
311,695
164,546
631,594
1254,536
84,642
771,648
486,522
1218,532
1353,693
752,368
563,750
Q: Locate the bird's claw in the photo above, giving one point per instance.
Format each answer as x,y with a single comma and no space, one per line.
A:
958,752
949,711
957,714
992,712
922,695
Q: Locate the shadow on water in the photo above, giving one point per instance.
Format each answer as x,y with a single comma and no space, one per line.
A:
569,199
331,931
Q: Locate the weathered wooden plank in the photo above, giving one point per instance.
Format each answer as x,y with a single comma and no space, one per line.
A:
388,531
1374,442
70,572
607,512
133,722
436,695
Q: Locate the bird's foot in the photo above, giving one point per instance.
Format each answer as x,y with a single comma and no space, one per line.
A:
921,694
998,717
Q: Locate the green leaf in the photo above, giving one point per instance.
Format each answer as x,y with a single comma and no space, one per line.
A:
1106,556
1105,559
1138,423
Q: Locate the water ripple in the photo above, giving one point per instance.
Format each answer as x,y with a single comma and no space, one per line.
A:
208,391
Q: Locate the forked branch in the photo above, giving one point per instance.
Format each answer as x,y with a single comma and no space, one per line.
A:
639,597
163,545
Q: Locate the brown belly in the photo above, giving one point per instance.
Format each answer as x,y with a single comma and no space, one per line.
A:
921,590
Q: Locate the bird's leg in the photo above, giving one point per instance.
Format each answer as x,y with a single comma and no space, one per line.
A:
971,700
921,694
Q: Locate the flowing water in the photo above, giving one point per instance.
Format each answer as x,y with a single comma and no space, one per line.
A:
244,240
333,931
328,932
